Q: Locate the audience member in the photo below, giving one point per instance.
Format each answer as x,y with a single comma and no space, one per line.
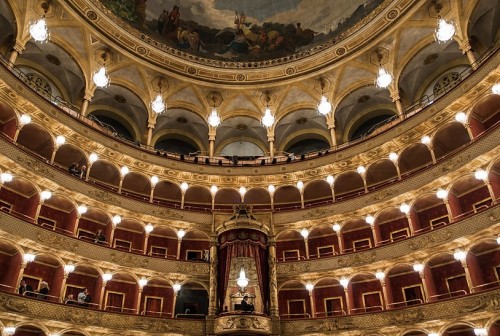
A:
100,237
245,305
44,290
25,289
70,299
84,297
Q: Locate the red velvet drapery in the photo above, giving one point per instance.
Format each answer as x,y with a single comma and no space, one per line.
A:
243,243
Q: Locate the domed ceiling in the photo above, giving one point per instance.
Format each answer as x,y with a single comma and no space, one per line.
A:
243,30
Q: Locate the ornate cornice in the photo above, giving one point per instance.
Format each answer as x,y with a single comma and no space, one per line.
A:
202,70
471,309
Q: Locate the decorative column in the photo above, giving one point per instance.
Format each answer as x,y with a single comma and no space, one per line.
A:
270,139
212,295
330,122
362,172
17,49
381,277
273,280
179,242
151,127
311,301
87,98
420,269
305,234
211,141
344,282
375,234
461,256
396,99
467,50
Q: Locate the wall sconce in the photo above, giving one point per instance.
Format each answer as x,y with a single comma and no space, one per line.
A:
180,234
309,287
69,268
81,209
177,287
106,277
116,220
29,257
143,282
149,228
242,280
5,177
344,282
9,331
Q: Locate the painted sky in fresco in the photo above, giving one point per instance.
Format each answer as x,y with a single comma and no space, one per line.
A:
319,15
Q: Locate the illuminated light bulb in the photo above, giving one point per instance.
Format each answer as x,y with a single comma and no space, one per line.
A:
107,276
384,78
9,330
124,171
324,106
304,233
29,257
214,119
300,185
154,180
93,157
149,228
404,208
417,267
268,118
158,104
480,331
460,255
81,209
242,280
336,227
330,180
441,193
309,286
370,219
426,140
116,219
181,233
69,268
361,170
242,191
461,117
481,174
214,189
39,31
380,275
177,287
45,195
24,119
271,188
100,78
344,282
143,282
60,140
184,187
496,88
444,31
393,157
6,177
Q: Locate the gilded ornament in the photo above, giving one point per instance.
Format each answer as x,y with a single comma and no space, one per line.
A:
57,241
129,260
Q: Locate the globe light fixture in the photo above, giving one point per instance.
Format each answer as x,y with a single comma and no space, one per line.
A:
242,280
380,275
9,330
418,267
330,180
5,177
29,257
107,276
498,240
461,117
393,157
184,187
433,334
81,209
93,157
480,331
242,191
344,282
38,29
100,78
180,234
60,140
268,119
24,119
370,219
481,174
149,228
154,180
445,31
404,208
143,282
361,170
117,219
124,171
214,119
69,268
158,104
45,195
309,287
496,88
213,190
300,185
441,193
304,233
336,227
324,106
460,255
177,287
271,188
426,140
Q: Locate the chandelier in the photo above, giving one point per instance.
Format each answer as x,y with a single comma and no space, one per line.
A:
267,119
445,30
324,106
214,119
38,29
100,78
158,105
242,280
384,78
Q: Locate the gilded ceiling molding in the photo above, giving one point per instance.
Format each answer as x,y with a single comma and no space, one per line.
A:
306,63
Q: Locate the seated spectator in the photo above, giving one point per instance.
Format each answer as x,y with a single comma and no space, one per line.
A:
83,171
70,299
84,297
245,305
74,169
25,289
100,237
44,290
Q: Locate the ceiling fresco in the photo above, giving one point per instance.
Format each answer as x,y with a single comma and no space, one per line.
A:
243,30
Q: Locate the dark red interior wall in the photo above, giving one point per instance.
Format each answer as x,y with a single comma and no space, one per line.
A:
169,243
130,290
10,266
351,236
62,219
137,239
290,245
9,128
485,265
21,204
468,200
427,215
196,245
285,295
91,226
329,240
395,284
321,293
441,273
385,229
91,282
492,121
476,126
166,293
364,287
